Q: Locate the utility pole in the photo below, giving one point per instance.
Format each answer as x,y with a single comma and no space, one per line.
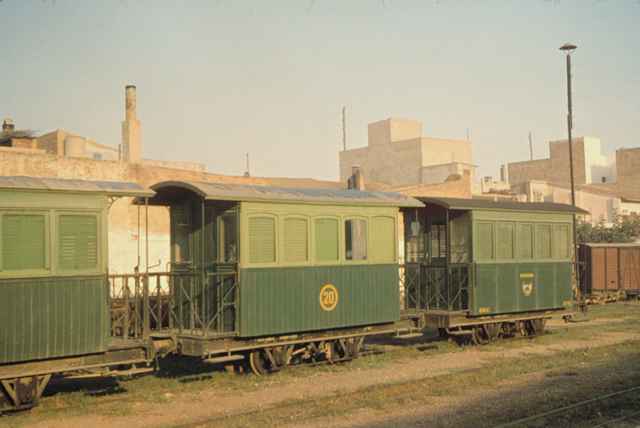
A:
530,147
344,128
568,48
247,173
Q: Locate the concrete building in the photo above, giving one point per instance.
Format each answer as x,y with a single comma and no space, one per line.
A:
398,154
590,165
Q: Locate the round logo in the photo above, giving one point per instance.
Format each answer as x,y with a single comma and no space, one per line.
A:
527,288
328,297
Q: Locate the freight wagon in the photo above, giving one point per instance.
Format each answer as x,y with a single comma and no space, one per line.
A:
54,299
610,270
479,269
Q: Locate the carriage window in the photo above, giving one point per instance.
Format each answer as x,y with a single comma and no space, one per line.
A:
438,241
504,238
355,236
295,240
543,241
229,250
77,242
525,241
485,241
326,239
561,241
262,240
23,242
383,239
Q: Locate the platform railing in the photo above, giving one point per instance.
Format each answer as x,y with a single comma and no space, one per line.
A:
193,303
432,286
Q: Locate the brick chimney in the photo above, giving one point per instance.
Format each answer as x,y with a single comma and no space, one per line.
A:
356,181
8,125
131,145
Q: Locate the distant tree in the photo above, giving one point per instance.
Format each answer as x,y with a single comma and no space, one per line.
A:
623,229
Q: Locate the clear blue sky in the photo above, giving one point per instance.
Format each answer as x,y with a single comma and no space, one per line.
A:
220,78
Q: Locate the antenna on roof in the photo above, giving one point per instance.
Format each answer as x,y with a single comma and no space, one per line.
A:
344,128
246,173
530,147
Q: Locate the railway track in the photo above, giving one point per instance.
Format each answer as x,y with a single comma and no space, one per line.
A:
622,416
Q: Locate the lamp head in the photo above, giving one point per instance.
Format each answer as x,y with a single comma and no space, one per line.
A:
568,47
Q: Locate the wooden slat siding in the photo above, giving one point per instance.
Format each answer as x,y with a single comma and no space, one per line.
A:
262,239
78,242
23,238
286,300
296,239
52,317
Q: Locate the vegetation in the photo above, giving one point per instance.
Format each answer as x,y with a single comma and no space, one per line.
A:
624,229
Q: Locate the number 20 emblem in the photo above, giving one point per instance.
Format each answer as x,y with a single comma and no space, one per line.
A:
328,297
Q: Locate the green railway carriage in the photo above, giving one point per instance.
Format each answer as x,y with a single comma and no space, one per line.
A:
474,262
54,297
259,264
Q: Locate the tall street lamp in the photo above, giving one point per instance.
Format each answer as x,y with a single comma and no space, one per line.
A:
568,48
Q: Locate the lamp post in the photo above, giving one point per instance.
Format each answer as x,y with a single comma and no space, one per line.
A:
568,48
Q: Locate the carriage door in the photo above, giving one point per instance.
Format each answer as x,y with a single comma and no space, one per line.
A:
225,270
181,229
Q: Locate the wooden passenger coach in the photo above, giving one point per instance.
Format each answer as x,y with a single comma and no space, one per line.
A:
54,295
482,269
282,273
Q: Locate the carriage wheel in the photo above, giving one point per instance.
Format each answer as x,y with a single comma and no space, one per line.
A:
535,327
269,360
480,335
493,331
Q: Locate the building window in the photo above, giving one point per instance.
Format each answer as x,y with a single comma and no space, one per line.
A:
326,239
262,239
355,237
23,242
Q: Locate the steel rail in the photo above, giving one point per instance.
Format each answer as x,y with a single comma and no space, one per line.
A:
519,422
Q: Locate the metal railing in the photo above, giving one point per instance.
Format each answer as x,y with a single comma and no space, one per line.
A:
444,287
195,303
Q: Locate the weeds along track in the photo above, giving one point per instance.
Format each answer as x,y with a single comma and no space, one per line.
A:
608,408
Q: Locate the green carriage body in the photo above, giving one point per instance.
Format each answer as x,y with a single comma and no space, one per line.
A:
486,258
54,296
271,255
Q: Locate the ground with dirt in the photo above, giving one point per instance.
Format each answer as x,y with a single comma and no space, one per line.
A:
413,383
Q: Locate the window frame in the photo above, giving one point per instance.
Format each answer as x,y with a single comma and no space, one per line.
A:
314,253
276,243
532,236
48,256
343,240
477,253
498,225
536,239
56,242
283,241
394,222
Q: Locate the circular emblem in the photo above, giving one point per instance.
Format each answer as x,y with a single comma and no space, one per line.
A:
328,297
527,288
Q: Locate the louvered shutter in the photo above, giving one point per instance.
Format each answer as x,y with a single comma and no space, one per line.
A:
262,240
23,242
525,241
295,240
77,242
543,241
